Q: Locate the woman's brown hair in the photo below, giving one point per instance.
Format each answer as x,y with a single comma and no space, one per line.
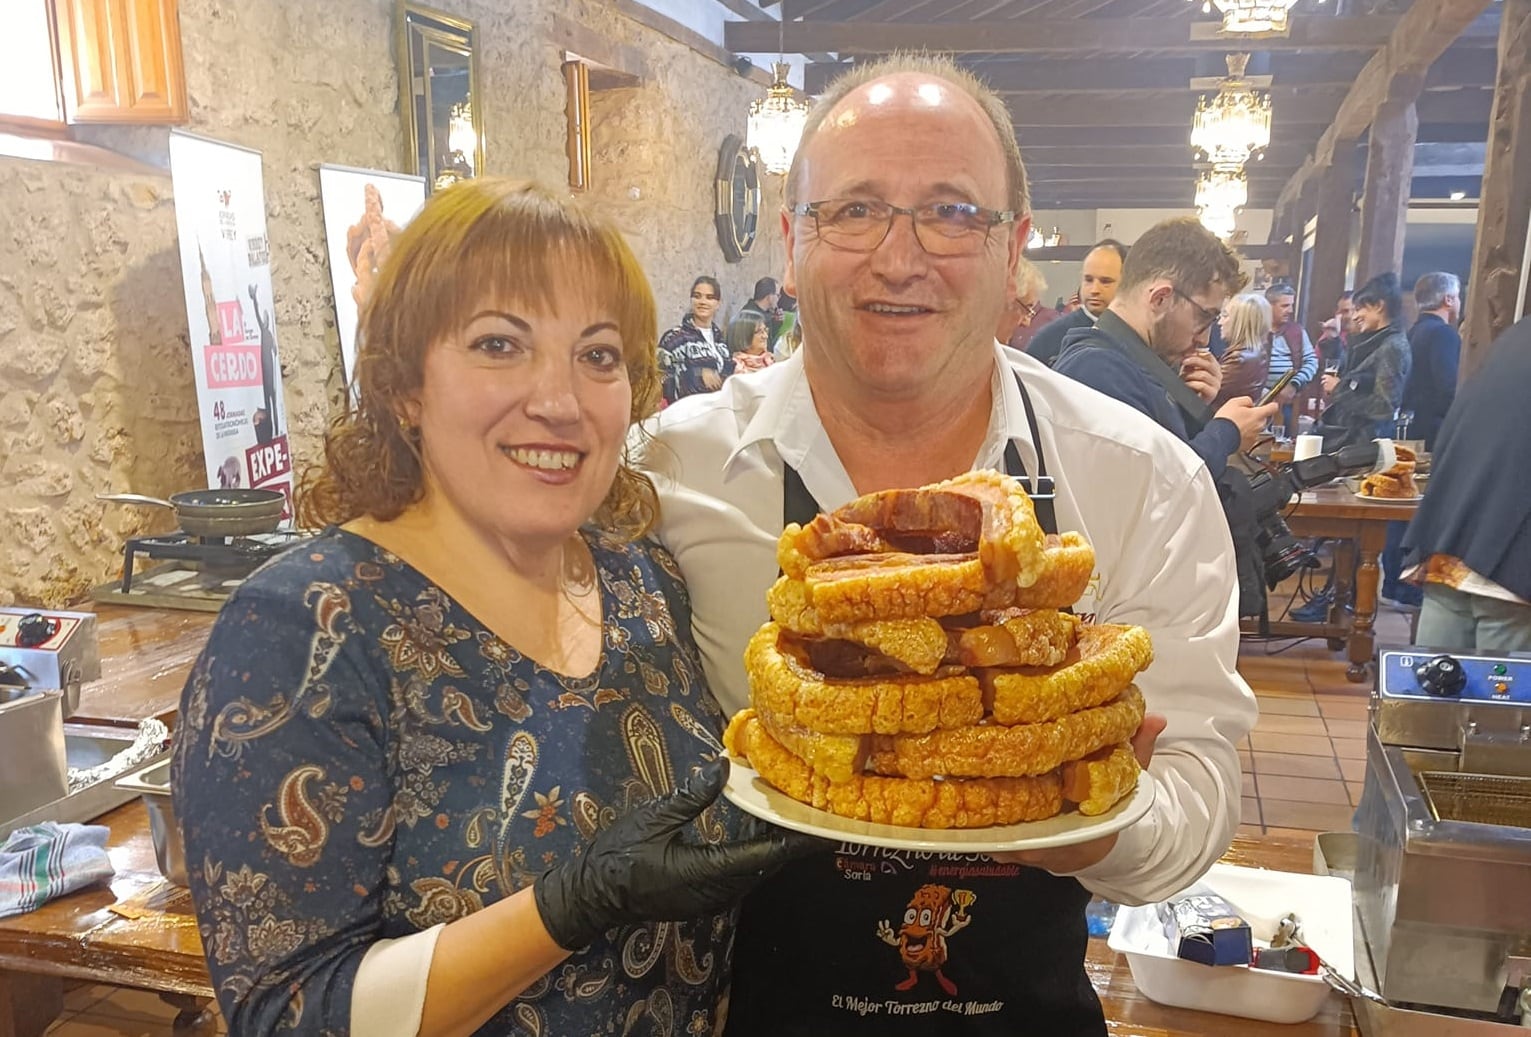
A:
487,239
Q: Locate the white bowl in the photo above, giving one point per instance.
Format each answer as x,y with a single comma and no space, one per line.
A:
1323,903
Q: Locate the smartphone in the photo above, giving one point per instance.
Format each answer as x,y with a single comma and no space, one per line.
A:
1275,390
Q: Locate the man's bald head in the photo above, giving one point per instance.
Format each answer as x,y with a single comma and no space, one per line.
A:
1018,195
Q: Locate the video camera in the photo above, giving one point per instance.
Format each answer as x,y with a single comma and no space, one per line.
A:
1281,553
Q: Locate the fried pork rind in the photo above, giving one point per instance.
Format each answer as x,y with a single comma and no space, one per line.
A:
1102,662
858,588
919,644
1068,562
957,803
983,512
782,682
837,757
1099,781
1015,637
1000,751
895,586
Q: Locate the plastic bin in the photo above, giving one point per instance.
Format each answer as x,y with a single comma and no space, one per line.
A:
1323,903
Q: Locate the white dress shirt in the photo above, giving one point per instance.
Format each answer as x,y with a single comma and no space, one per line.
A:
1164,561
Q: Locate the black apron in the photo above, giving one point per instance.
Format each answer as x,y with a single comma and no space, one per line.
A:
864,942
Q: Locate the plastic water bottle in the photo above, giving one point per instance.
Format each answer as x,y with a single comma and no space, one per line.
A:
1098,915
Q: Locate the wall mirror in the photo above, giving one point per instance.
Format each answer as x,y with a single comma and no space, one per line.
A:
438,76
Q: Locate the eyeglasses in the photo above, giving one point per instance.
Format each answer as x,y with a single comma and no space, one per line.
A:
942,229
1204,316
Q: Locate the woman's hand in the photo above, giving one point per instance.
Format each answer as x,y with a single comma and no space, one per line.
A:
1330,381
711,380
639,870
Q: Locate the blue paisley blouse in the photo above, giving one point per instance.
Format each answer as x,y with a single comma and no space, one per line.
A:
359,758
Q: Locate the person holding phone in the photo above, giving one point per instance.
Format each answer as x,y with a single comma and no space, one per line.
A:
1149,349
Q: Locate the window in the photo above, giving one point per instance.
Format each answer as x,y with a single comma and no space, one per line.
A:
29,83
104,61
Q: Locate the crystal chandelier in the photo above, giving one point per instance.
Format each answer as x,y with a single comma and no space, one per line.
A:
1263,16
1220,193
776,122
1234,124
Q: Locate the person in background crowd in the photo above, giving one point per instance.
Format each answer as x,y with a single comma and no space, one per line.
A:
1149,348
384,820
1290,346
905,213
1363,399
1335,340
1098,281
1364,396
1470,542
1026,315
747,342
766,305
693,355
1435,348
1245,326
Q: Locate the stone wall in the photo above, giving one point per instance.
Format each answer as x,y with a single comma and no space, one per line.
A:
96,390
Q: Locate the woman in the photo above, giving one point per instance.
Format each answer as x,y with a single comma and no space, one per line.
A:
428,763
693,355
747,340
1364,396
1245,325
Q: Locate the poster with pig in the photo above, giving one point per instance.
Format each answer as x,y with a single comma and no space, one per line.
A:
220,216
364,210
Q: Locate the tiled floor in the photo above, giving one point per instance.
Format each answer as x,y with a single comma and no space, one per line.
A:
1303,767
1306,758
97,1011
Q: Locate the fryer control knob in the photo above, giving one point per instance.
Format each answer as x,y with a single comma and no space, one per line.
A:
34,629
1441,675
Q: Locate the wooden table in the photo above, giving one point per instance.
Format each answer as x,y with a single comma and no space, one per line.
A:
77,936
1360,526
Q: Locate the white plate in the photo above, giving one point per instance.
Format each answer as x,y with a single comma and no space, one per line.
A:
1391,500
752,794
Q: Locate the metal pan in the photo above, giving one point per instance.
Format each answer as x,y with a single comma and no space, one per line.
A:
215,513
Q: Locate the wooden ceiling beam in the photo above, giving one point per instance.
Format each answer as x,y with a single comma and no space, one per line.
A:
1168,109
1417,41
1058,36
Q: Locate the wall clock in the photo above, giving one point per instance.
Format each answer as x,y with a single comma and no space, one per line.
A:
738,199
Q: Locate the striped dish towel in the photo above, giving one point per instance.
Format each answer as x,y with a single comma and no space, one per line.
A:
40,862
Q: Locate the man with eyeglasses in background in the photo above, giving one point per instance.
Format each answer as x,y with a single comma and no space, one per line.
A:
906,212
1149,349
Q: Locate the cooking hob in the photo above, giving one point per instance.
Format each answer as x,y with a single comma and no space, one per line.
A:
178,570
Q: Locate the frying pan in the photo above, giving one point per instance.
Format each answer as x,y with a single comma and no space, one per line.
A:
216,513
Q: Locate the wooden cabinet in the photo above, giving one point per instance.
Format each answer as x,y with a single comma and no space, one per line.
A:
121,61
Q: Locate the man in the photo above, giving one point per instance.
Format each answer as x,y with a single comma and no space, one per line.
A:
1149,348
1435,348
1472,536
1290,346
1335,339
763,305
1097,287
899,383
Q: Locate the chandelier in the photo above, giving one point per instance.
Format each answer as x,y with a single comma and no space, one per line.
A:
776,122
1220,193
1256,16
1234,124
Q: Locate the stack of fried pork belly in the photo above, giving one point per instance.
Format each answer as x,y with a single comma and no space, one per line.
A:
919,668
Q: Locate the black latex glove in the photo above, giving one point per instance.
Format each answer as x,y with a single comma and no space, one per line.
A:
639,870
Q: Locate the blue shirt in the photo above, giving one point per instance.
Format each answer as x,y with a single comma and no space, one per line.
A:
360,758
